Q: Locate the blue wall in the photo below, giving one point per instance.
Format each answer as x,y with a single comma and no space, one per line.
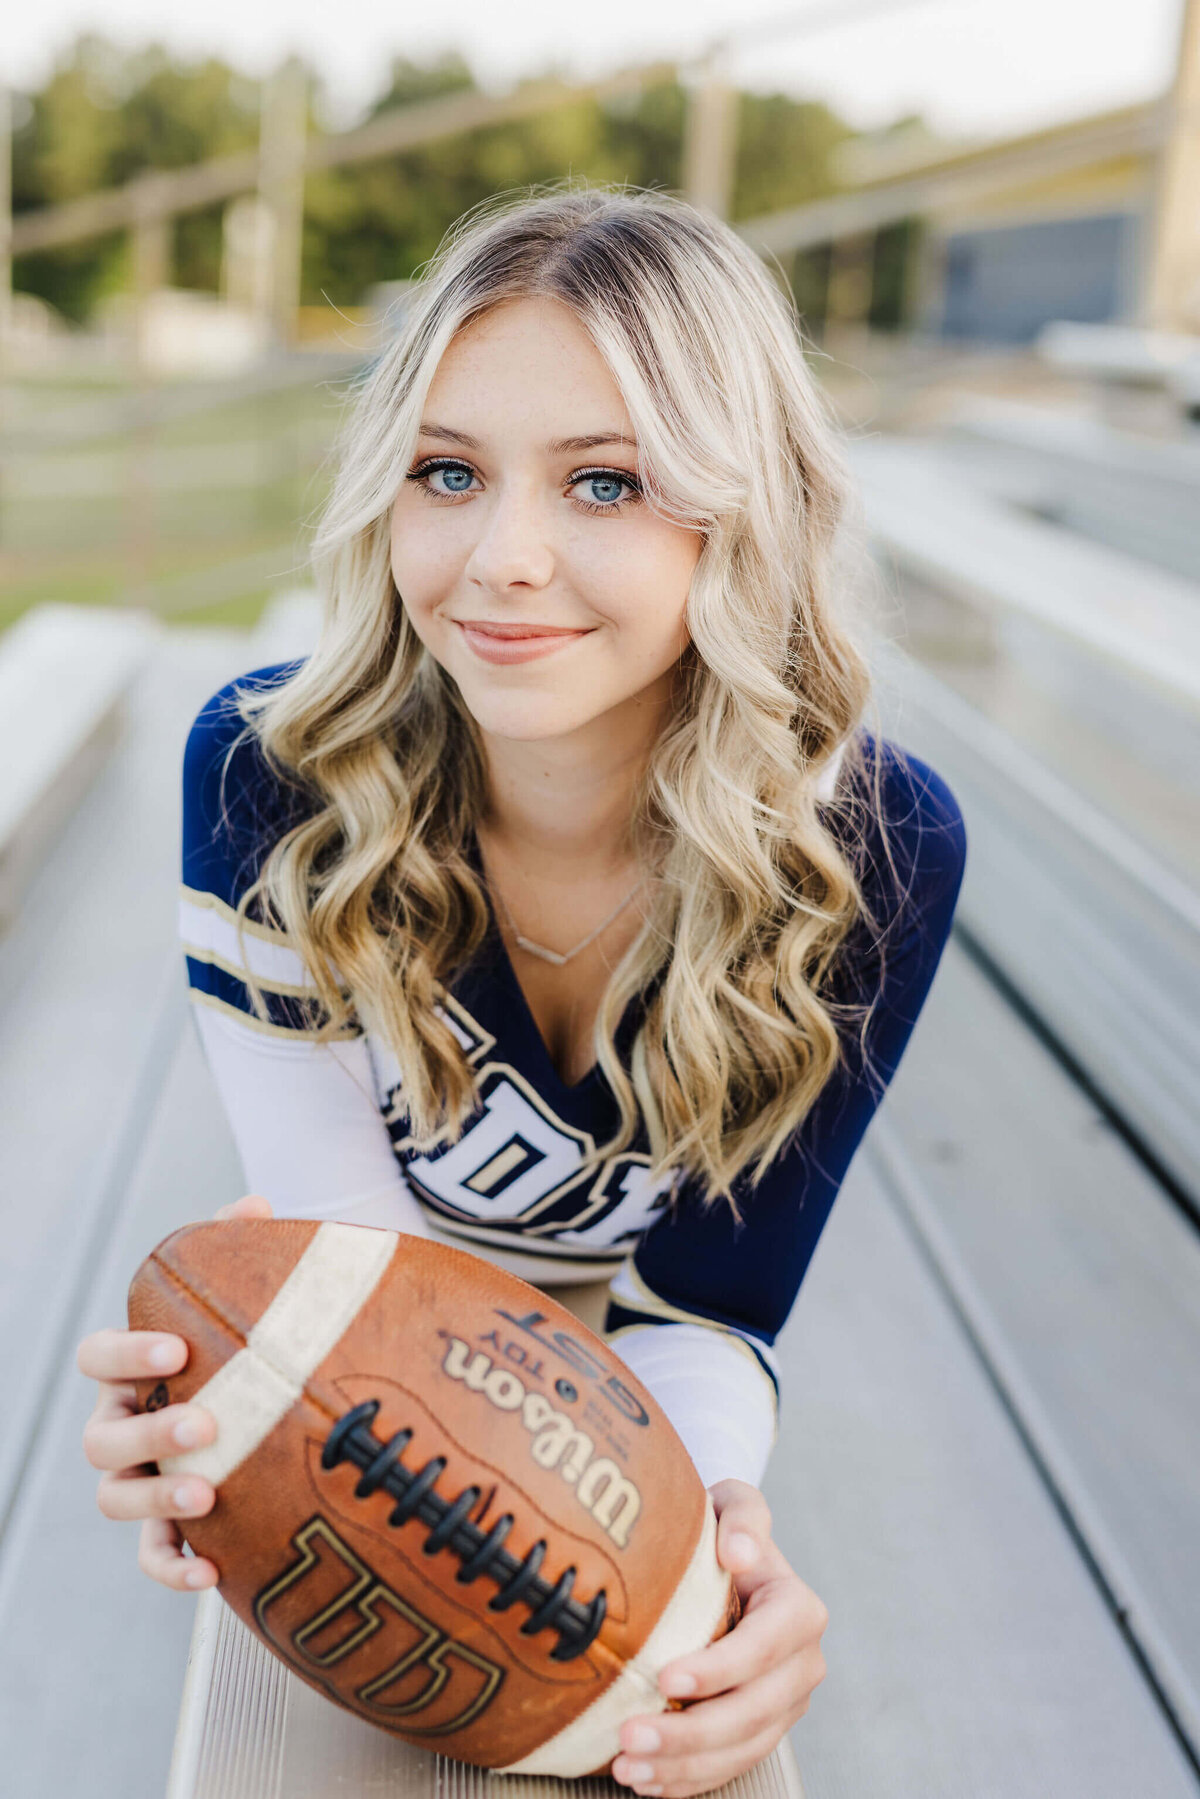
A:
1004,284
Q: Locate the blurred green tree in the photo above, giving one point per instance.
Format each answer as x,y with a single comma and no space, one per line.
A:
106,113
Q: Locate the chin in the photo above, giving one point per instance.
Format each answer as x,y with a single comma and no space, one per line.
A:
523,719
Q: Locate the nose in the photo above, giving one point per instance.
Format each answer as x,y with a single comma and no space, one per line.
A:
513,545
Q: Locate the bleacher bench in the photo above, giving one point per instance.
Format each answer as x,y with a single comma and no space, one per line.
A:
984,1463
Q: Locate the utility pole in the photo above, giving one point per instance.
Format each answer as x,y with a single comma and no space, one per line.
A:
282,146
6,306
846,330
151,255
247,232
710,134
5,224
1172,293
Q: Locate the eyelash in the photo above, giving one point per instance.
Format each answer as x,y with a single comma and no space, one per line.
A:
613,474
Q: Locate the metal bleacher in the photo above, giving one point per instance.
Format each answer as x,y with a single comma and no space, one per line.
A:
987,1459
1133,492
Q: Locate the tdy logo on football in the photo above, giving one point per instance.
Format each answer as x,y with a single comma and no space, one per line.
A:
557,1441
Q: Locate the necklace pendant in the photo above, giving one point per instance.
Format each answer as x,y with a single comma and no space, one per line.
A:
547,955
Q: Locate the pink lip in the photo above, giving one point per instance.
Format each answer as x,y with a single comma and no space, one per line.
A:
497,645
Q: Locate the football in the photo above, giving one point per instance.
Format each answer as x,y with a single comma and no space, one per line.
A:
441,1500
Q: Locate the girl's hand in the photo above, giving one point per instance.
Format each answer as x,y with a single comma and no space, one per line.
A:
124,1442
751,1685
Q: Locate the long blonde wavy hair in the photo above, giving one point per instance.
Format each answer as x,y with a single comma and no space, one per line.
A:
753,888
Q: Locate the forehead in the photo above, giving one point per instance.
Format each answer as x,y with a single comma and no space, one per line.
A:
527,357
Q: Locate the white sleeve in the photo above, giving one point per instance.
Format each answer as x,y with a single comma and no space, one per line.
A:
712,1389
309,1133
311,1140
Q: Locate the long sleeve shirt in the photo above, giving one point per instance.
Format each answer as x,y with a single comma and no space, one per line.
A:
697,1298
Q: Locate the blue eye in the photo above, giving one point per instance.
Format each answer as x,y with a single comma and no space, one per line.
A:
598,477
605,478
420,476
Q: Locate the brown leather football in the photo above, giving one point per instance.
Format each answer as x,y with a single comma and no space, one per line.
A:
441,1500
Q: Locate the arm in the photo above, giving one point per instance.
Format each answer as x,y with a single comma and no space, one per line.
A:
310,1136
739,1283
303,1114
697,1312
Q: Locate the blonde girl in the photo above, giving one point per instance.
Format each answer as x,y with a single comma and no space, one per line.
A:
560,903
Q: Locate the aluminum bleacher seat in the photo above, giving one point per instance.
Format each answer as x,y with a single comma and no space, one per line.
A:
986,1381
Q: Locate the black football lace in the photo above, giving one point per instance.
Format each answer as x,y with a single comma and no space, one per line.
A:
482,1552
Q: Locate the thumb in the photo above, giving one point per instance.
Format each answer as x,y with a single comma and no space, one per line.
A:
250,1205
743,1525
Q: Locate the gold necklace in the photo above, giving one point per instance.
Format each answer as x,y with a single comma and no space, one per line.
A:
552,955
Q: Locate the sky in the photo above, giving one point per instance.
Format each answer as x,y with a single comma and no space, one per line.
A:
973,67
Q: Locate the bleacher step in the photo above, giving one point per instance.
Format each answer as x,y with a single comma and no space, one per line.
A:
64,674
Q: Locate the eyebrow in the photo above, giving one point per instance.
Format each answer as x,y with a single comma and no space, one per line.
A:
557,446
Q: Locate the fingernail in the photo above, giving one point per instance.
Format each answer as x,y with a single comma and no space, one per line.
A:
678,1686
643,1740
743,1549
182,1497
196,1577
162,1356
639,1771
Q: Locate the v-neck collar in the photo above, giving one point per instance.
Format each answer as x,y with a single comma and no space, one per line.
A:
502,966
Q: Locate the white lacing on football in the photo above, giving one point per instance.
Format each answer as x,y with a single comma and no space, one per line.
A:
691,1617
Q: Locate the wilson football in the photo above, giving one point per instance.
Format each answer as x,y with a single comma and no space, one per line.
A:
441,1500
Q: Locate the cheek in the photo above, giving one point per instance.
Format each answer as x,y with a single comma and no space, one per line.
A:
418,568
644,586
647,637
653,605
